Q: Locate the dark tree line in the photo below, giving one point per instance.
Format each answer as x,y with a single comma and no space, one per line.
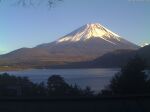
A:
131,80
56,87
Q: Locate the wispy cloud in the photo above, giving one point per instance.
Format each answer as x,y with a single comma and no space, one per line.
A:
2,51
144,44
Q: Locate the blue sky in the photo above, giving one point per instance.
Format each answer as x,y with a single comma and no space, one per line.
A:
30,26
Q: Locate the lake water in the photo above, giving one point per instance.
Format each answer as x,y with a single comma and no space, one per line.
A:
97,78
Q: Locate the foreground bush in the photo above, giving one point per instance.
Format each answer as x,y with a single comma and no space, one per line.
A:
131,80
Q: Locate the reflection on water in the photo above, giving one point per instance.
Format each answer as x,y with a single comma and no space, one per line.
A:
95,78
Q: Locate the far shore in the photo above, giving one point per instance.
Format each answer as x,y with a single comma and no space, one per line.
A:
7,69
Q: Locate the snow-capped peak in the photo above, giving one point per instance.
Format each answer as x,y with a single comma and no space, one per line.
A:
88,31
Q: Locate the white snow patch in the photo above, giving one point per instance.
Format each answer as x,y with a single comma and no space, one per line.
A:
89,31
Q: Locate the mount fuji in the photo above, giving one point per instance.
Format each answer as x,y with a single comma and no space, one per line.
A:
90,40
85,43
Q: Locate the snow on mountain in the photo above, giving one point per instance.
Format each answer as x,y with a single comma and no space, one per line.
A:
90,40
86,43
88,31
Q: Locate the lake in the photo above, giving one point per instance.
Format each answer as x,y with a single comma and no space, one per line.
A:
96,78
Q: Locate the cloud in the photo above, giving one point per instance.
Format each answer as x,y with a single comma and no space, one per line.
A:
144,44
2,52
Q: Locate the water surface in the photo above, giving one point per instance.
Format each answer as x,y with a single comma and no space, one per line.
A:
97,78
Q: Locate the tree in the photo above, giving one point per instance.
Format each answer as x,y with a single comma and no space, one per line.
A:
130,80
57,86
88,92
15,86
39,89
76,91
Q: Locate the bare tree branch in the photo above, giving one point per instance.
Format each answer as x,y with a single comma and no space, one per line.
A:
25,3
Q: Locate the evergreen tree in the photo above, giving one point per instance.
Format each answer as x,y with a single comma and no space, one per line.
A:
130,80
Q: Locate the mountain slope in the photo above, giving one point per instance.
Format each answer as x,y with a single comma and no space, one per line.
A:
144,52
86,43
119,58
116,58
90,40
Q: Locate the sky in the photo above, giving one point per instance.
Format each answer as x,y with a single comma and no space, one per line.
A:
31,26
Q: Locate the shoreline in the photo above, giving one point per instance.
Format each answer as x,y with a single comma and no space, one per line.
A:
21,69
